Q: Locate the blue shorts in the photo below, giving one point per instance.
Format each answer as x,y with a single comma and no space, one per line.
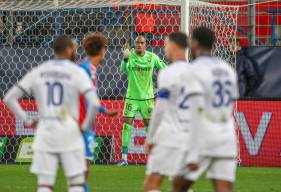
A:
89,139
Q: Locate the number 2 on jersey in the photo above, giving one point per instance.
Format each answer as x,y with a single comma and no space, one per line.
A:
54,89
222,93
183,104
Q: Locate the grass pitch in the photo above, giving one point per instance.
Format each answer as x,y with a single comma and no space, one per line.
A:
16,178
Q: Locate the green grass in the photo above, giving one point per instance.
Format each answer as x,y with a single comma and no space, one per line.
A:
16,178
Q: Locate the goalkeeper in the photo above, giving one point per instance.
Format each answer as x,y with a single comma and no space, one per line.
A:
139,64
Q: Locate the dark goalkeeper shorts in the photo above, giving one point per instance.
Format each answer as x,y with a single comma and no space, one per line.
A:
144,107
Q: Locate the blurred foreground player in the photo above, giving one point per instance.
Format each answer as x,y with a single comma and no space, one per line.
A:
94,47
56,86
139,64
170,123
212,144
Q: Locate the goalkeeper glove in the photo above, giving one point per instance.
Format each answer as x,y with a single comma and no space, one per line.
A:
126,51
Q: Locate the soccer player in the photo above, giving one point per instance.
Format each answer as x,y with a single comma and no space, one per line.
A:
139,64
94,46
167,138
212,144
56,86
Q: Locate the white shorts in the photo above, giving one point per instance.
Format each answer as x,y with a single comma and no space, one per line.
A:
45,163
164,160
216,168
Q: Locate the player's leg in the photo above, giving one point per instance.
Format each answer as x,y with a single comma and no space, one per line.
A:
222,186
76,183
87,173
184,178
74,166
146,109
157,165
88,166
45,183
89,140
45,165
130,110
126,138
153,182
161,162
222,173
180,184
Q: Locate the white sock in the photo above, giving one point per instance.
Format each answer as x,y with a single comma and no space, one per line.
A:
154,190
44,189
125,157
76,189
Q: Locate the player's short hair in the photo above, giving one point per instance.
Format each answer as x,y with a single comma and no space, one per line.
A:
142,35
61,43
94,43
205,36
179,38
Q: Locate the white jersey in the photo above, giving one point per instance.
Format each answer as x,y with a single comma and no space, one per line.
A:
219,84
56,86
174,127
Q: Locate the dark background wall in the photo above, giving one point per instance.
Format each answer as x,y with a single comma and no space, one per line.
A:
268,60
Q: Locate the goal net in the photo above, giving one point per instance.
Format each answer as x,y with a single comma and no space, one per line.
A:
28,28
220,18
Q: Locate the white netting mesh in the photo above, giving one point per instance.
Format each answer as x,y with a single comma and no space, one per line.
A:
81,4
28,27
222,19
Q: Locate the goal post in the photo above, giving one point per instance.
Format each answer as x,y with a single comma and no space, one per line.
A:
185,19
185,16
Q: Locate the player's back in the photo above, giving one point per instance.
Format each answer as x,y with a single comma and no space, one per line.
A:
56,86
219,83
174,128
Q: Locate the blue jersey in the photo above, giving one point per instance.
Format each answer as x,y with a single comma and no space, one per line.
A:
89,136
89,69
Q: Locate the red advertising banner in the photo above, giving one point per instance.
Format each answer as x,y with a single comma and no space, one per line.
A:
258,125
11,125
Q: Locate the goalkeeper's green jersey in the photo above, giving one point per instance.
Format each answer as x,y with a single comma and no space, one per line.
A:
140,72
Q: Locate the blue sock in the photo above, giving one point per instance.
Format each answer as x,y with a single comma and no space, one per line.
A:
86,187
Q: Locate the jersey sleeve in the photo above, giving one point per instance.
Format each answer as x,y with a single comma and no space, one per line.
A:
23,87
194,144
165,80
195,95
84,83
84,66
86,88
124,66
164,95
159,63
25,84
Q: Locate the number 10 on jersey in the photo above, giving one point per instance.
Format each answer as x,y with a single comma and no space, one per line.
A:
54,93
